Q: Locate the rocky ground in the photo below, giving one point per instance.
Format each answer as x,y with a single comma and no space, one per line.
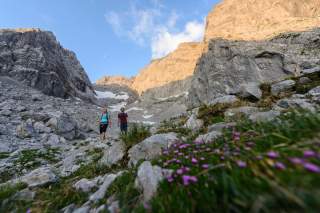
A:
52,160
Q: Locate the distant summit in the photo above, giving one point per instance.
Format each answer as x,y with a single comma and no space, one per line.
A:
120,80
259,20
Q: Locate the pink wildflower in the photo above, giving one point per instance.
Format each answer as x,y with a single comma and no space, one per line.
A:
309,154
205,166
194,160
296,160
241,164
189,179
279,166
272,154
170,179
236,136
312,167
180,171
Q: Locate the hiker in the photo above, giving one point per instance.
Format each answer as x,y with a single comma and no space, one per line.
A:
122,121
104,123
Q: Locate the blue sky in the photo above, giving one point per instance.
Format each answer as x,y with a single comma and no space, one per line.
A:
109,37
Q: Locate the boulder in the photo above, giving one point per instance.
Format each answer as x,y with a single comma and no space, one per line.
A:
283,86
227,99
64,125
69,208
100,209
311,70
264,116
193,123
148,178
36,97
5,147
82,209
113,154
151,147
108,180
234,113
304,80
85,185
41,128
209,137
315,91
25,195
250,91
39,177
315,94
5,112
294,103
220,126
25,129
114,207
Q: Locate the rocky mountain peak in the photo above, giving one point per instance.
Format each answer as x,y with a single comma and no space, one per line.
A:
120,80
176,66
258,20
35,58
21,30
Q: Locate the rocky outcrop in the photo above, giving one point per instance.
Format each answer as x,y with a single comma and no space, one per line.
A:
228,64
118,80
176,66
148,178
151,147
259,20
36,58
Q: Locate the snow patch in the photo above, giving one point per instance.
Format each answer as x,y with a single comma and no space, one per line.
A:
117,107
108,94
134,109
174,96
147,116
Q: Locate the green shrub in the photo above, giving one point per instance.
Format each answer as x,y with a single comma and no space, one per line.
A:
135,134
211,114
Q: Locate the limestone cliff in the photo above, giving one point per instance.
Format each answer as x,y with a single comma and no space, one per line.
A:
119,80
36,58
176,66
259,20
228,64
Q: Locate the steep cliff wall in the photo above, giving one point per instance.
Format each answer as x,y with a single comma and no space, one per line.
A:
227,64
258,20
36,58
176,66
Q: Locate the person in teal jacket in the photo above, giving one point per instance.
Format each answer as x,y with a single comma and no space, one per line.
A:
105,121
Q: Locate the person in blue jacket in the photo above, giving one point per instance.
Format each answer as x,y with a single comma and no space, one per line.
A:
105,122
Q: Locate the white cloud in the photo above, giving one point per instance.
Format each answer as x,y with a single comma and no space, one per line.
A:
165,42
113,19
154,26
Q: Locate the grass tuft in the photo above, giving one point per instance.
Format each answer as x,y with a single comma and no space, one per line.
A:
135,135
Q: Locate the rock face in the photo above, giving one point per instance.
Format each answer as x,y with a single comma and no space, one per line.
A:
176,66
228,64
118,80
35,58
151,147
258,20
39,177
148,178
